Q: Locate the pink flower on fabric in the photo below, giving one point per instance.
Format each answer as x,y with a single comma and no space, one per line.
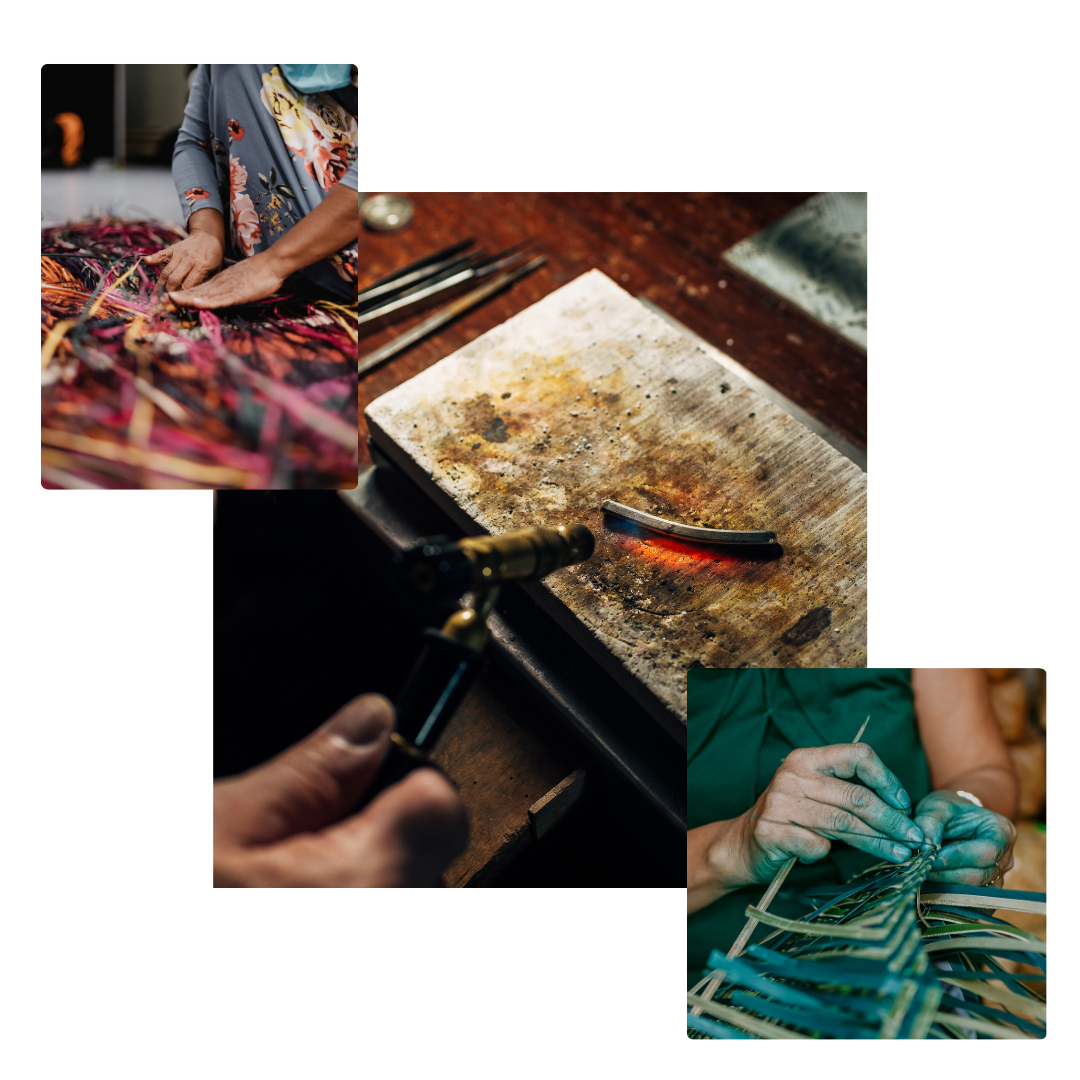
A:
237,178
325,161
248,233
317,160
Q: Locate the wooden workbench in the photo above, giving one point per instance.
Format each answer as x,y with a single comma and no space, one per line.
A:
668,249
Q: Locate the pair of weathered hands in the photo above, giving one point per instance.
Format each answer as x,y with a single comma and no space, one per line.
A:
812,800
192,274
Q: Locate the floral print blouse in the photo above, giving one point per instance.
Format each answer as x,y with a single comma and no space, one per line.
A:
264,155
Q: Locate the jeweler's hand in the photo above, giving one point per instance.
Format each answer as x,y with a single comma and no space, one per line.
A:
189,262
255,278
281,824
976,843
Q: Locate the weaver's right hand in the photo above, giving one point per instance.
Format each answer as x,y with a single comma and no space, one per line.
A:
811,801
190,262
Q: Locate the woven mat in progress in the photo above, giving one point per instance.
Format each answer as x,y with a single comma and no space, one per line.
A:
136,393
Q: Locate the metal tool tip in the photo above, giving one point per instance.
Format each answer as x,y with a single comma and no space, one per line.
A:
581,541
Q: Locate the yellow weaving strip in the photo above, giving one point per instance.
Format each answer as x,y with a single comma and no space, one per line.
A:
55,336
210,475
57,333
119,281
341,315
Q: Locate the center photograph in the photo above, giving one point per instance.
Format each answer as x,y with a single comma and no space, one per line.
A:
605,440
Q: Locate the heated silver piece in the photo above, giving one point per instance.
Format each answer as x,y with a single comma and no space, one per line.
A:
687,532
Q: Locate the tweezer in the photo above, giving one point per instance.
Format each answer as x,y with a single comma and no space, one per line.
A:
427,261
445,314
443,282
404,282
687,532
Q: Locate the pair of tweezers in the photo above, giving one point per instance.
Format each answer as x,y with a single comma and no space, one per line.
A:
687,532
419,288
445,314
420,270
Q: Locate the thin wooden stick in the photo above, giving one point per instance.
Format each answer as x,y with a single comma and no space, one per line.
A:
762,905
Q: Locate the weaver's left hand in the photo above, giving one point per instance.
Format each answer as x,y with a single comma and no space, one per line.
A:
976,843
253,279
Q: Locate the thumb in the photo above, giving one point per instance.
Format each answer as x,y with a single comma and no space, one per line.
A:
932,820
193,297
317,781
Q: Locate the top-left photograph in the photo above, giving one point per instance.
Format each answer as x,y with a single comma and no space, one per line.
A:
199,235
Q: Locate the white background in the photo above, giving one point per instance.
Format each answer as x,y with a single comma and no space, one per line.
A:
958,119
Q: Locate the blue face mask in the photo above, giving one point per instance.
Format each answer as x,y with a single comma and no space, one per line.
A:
317,78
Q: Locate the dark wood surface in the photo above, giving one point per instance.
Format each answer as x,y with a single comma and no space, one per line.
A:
666,247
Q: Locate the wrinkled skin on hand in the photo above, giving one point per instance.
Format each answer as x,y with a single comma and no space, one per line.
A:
253,279
290,823
976,843
813,799
189,262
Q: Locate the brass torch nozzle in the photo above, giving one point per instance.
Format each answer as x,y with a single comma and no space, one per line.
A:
443,568
526,554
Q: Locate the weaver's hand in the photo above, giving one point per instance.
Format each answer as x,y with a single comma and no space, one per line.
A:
811,801
280,825
253,279
189,262
977,843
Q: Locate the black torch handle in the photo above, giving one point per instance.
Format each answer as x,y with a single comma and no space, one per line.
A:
440,678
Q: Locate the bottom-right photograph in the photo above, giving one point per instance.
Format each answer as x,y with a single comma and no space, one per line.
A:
866,853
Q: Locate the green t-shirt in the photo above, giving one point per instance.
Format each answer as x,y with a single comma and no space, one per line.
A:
740,727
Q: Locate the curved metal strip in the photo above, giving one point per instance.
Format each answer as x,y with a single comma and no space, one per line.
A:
687,532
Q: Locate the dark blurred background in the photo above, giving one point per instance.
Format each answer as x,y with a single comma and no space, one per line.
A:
128,113
107,136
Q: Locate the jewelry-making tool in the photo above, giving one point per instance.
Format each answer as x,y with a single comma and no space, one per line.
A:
444,278
445,314
436,571
415,271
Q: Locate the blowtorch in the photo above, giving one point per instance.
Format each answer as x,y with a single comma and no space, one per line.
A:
436,570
